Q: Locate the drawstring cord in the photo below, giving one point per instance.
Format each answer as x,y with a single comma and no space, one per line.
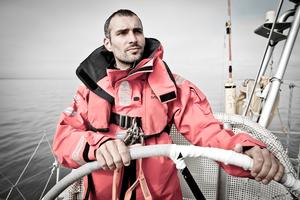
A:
133,136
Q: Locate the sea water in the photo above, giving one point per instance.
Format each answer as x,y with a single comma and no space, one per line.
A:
30,108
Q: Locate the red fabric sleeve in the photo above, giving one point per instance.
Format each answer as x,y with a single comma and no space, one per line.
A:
73,143
194,119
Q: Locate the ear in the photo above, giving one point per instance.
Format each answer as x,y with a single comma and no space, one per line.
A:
107,44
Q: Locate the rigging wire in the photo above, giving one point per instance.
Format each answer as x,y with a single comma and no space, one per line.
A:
55,166
30,159
23,181
291,87
18,182
18,190
294,85
265,53
47,140
48,181
31,177
56,163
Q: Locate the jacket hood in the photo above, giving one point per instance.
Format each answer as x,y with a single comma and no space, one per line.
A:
93,68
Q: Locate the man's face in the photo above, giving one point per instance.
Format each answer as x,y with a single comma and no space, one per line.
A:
126,40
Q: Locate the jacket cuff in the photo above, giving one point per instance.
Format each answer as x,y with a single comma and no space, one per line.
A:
89,153
245,140
250,142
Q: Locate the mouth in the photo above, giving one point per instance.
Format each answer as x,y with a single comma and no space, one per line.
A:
134,48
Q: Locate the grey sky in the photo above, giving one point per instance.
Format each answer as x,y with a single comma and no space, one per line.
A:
42,38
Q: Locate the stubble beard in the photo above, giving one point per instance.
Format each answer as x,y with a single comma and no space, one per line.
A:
126,60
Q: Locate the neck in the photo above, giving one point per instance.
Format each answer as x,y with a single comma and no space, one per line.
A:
123,65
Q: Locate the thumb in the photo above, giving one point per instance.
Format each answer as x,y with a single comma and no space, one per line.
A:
238,148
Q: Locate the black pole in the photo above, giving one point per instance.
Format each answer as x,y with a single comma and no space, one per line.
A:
191,181
192,184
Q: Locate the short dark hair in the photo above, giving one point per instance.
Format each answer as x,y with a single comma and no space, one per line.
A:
121,12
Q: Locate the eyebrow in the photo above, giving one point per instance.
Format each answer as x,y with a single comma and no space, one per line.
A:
127,29
122,30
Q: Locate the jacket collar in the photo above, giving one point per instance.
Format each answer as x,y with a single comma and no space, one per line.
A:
97,66
145,66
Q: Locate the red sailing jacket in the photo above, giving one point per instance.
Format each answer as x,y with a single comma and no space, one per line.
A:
151,92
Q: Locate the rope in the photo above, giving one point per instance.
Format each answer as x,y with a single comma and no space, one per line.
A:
228,31
14,185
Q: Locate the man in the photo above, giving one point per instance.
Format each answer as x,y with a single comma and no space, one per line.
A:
128,87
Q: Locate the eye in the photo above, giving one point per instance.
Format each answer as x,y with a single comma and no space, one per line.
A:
138,30
122,32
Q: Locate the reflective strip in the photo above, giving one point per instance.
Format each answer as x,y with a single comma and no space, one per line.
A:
77,153
124,93
179,80
77,99
70,111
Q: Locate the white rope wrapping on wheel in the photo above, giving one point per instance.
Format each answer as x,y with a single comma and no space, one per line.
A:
172,151
246,125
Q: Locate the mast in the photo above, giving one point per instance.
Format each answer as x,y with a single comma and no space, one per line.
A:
230,87
283,62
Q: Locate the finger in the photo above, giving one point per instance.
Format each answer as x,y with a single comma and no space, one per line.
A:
124,152
272,172
279,173
238,148
114,152
267,165
258,159
101,160
107,156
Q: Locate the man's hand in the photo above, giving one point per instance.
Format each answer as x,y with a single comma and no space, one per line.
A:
265,166
113,154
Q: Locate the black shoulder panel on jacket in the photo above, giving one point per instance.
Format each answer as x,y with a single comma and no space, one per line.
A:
93,69
170,73
150,46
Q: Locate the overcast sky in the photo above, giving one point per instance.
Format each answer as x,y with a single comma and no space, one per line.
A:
48,39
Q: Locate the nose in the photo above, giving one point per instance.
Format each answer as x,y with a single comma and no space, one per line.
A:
132,37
